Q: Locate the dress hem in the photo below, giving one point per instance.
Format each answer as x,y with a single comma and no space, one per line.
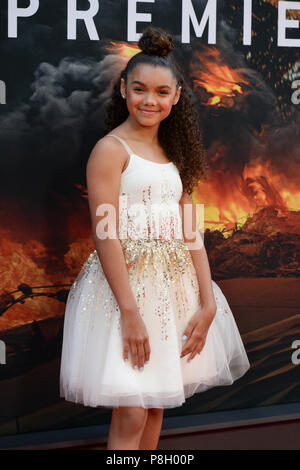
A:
148,401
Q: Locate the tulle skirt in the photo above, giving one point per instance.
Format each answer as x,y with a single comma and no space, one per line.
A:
164,282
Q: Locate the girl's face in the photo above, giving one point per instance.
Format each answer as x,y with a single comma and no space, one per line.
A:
150,93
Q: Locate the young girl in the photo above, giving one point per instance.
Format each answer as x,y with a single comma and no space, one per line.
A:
145,326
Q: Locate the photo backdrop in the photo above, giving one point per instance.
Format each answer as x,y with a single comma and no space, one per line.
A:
58,63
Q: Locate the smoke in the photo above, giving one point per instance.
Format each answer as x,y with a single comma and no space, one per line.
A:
43,139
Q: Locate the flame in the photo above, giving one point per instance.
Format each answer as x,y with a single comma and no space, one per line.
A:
23,263
216,78
30,265
291,13
123,49
230,199
268,187
262,185
222,213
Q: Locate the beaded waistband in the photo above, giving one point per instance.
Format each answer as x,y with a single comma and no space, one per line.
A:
157,252
162,262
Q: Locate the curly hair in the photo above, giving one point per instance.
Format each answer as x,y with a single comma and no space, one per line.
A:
179,134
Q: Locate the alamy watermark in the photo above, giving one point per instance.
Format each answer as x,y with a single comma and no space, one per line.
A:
2,352
2,92
296,353
295,98
156,221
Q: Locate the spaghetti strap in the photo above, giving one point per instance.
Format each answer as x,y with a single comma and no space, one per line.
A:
130,152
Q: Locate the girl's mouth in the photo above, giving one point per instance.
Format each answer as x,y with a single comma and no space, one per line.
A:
147,112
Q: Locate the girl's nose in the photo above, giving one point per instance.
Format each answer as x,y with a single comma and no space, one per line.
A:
149,99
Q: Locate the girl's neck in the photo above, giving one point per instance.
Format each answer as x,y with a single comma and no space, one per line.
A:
141,133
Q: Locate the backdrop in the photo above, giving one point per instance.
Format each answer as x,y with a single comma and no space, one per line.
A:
58,62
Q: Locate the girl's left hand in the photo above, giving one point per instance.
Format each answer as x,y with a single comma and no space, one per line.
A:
196,331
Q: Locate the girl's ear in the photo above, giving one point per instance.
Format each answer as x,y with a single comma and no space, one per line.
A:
177,95
122,88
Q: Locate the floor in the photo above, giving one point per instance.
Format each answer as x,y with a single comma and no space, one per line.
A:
271,436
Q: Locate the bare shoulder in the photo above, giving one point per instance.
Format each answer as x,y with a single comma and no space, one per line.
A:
107,154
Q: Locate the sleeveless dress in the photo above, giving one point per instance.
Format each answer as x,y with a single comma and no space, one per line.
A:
164,282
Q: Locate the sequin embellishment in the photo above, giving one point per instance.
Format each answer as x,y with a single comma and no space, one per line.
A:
222,310
163,262
98,298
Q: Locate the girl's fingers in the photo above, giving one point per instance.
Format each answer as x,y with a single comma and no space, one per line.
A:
134,355
188,347
194,352
193,346
197,350
188,331
126,351
140,352
147,350
187,338
141,356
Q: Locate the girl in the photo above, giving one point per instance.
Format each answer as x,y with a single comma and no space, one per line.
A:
145,325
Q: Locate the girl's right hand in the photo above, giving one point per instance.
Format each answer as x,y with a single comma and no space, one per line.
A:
135,339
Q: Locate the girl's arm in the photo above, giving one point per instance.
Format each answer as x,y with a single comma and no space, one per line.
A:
103,173
199,324
104,169
197,249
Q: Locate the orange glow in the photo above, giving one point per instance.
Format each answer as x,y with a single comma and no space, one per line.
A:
229,200
290,13
217,78
28,264
123,49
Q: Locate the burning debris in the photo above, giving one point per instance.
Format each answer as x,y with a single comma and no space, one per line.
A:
267,245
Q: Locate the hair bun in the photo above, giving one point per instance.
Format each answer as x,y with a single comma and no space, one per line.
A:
155,41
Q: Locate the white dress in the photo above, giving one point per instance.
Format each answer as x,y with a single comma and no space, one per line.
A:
164,282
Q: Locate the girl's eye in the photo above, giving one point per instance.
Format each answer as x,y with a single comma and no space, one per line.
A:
163,92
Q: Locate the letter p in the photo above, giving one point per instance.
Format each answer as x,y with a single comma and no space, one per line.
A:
14,13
